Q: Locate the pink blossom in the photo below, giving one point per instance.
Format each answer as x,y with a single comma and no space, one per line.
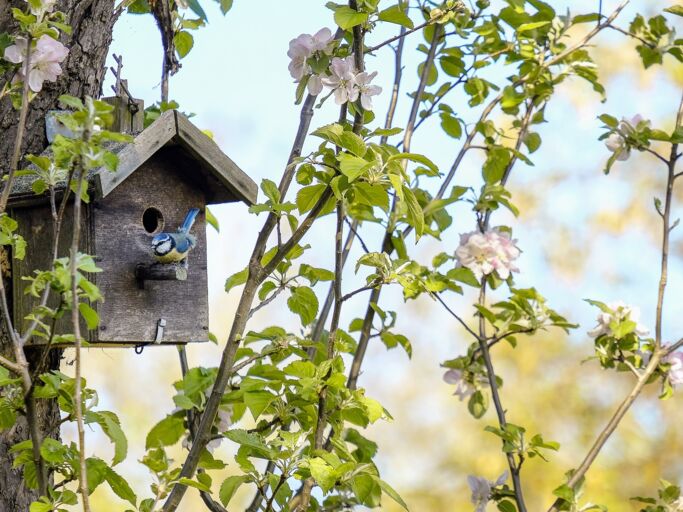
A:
484,253
315,85
676,370
305,46
44,63
463,389
366,90
619,313
342,80
299,51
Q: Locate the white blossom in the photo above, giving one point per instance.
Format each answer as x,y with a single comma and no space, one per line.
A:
366,90
620,312
342,80
481,489
463,389
617,145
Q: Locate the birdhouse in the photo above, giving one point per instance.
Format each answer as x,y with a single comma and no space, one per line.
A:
170,168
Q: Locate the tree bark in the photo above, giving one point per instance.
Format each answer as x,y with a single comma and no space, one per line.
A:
92,22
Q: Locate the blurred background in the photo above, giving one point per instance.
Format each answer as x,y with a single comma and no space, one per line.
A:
584,235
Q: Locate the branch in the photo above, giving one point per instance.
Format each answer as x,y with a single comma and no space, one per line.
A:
500,411
76,324
336,314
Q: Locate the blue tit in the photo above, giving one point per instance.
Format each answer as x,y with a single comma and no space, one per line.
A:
174,247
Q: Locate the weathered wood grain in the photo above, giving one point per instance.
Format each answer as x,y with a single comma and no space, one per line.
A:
129,314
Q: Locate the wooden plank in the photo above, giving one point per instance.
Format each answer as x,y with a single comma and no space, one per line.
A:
133,155
35,225
222,167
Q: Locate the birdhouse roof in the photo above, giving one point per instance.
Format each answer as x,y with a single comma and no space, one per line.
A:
223,180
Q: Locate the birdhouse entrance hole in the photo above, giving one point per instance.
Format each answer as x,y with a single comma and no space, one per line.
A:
152,221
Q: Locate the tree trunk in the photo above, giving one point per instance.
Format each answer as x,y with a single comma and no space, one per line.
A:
92,22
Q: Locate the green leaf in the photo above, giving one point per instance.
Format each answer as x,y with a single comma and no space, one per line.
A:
414,157
675,9
353,143
415,215
564,492
120,486
391,492
197,8
506,506
270,190
347,18
229,487
211,219
451,125
194,483
478,404
304,303
396,14
109,423
166,433
257,401
183,42
352,166
90,316
96,471
323,474
236,279
226,5
307,197
526,27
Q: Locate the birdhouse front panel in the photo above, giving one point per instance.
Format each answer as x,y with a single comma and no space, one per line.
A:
154,199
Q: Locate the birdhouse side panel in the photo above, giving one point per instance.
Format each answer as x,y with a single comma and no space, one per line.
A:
36,226
154,199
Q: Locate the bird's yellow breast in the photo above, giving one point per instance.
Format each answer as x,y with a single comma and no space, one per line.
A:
172,257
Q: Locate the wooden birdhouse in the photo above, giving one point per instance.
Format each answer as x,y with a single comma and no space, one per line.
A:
169,168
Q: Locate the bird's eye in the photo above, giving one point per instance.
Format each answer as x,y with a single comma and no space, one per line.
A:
152,220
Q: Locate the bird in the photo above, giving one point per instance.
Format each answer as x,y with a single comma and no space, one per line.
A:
174,247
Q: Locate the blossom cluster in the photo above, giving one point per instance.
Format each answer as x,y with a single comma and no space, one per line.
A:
339,74
616,142
44,62
620,312
488,252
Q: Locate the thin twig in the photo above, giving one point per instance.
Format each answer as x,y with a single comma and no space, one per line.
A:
455,315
